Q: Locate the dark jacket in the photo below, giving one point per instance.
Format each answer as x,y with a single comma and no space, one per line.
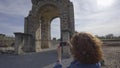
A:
77,64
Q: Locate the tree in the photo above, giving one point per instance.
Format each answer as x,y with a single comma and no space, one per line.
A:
110,36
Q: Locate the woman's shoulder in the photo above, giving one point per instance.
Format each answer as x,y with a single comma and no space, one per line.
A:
77,64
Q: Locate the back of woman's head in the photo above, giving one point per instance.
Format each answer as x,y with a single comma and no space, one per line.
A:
86,48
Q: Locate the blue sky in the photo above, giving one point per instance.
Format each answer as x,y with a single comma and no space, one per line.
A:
99,17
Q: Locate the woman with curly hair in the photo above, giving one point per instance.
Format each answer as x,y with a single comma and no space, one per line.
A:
86,51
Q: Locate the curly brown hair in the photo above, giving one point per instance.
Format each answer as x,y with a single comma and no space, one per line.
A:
86,48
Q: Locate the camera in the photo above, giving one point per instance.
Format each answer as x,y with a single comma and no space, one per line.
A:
63,44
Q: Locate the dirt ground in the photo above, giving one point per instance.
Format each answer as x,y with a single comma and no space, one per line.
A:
111,56
47,59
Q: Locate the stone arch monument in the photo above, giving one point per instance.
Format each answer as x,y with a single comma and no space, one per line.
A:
37,24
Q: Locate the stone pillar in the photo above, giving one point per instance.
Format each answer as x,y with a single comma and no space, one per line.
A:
71,19
45,35
65,49
36,33
37,38
37,45
26,25
28,43
18,43
65,33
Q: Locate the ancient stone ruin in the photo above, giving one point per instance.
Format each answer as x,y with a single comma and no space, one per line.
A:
37,30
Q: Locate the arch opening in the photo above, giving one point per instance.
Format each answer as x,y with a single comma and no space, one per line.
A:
55,31
55,28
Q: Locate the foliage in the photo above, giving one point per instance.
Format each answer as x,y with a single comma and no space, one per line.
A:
109,37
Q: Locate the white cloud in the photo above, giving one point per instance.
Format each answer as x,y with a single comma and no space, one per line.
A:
9,29
9,9
105,3
15,7
88,17
102,28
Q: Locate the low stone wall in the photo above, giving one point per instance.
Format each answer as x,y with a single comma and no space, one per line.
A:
111,43
54,42
7,50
